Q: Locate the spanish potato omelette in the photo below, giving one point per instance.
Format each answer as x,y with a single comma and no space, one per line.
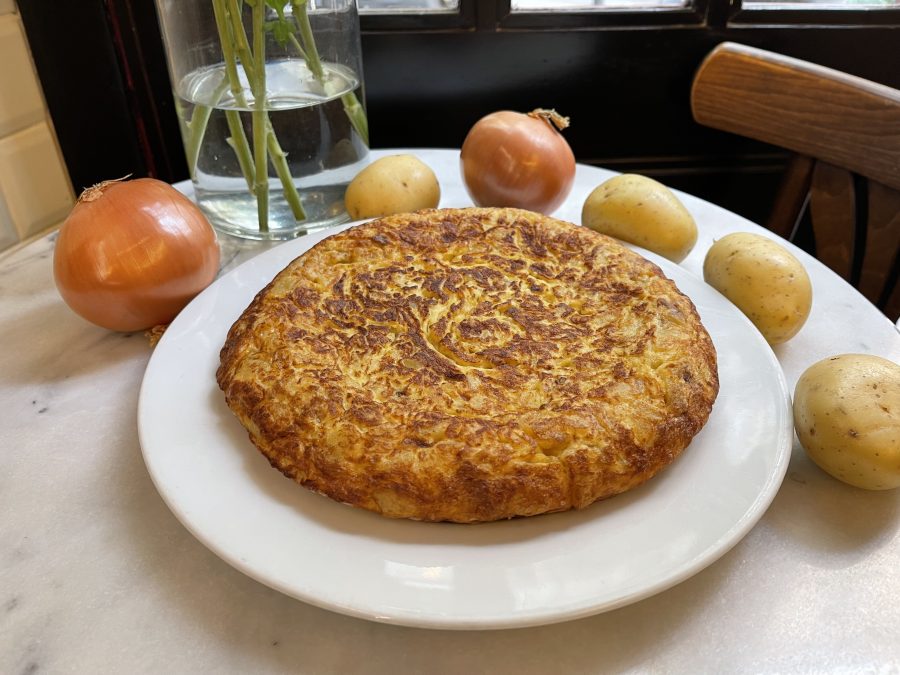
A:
469,365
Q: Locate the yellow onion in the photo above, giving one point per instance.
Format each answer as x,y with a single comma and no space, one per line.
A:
133,253
518,160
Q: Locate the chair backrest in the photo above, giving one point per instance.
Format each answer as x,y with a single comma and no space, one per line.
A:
845,132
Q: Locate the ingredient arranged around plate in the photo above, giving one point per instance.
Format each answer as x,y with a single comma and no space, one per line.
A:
847,417
518,160
764,280
133,253
393,184
644,212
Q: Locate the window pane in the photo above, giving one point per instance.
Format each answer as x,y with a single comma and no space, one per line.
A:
591,5
407,6
821,4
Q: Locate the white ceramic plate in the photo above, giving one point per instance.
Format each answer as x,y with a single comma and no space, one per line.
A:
516,573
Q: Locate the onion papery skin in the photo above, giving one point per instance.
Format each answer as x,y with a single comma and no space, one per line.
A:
132,256
510,159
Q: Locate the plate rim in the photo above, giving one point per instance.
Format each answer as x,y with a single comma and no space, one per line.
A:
727,540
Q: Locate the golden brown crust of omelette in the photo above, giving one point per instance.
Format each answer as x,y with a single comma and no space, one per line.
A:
469,365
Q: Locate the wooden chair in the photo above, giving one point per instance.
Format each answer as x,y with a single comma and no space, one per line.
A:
845,132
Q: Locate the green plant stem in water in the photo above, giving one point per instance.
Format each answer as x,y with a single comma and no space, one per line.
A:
196,132
196,129
357,116
237,48
238,139
253,72
259,117
239,37
352,107
279,161
238,142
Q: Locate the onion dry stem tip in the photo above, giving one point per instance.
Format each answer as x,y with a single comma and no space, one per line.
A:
550,116
94,192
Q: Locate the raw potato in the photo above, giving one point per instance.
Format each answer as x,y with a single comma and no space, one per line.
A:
394,184
763,280
847,417
641,211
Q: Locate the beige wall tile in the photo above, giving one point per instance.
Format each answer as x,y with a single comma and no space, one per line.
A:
33,180
21,104
8,234
7,6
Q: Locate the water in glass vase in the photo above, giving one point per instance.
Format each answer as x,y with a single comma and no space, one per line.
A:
312,141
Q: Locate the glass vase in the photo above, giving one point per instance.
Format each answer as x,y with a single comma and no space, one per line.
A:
270,98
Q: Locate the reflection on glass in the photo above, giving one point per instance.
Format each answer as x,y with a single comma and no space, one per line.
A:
591,5
407,6
821,4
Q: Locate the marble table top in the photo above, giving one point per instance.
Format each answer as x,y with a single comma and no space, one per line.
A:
97,575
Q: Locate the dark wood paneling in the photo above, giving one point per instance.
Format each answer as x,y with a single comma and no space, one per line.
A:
75,56
146,77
